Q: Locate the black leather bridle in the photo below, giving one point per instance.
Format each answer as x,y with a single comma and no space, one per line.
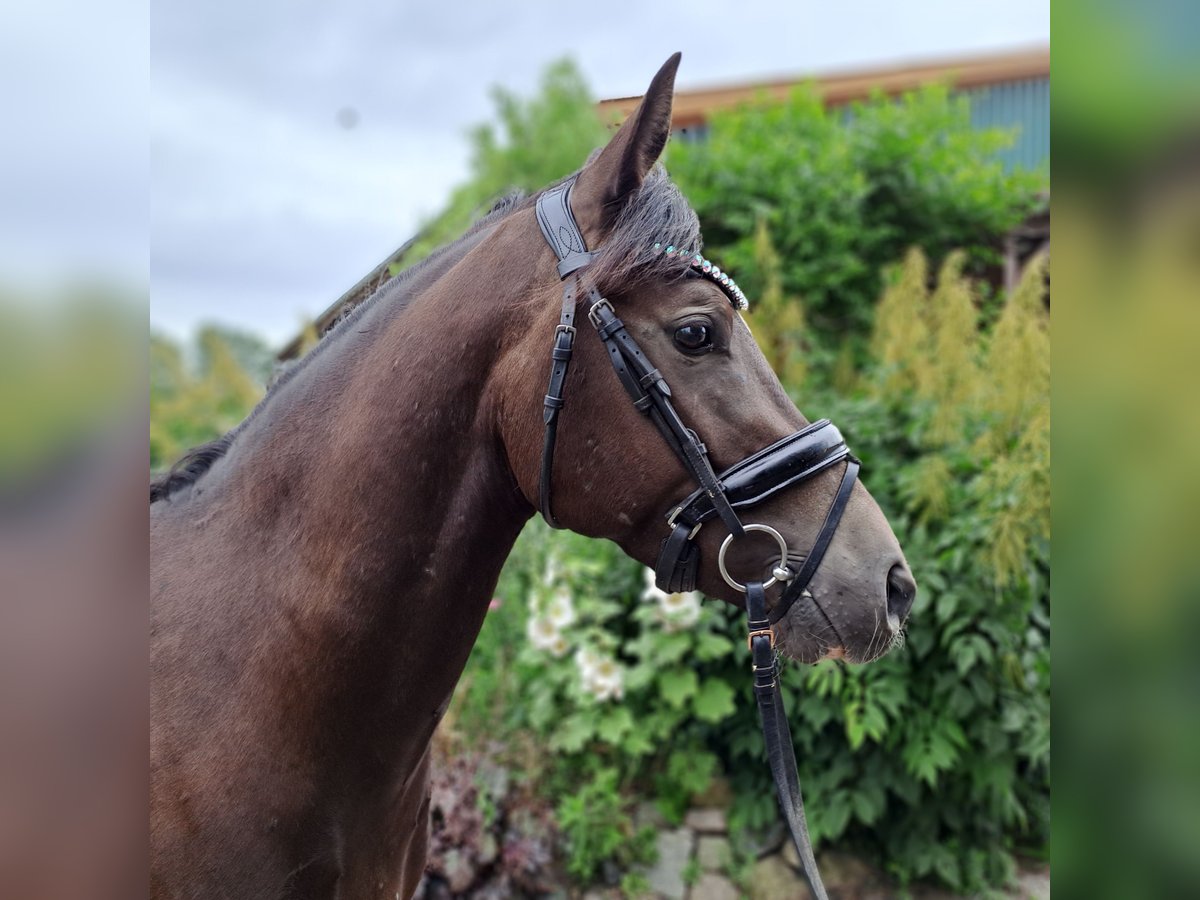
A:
785,463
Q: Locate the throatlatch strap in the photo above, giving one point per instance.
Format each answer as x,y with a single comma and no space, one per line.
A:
777,737
562,233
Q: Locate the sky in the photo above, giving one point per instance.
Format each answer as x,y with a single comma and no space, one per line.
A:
74,173
265,206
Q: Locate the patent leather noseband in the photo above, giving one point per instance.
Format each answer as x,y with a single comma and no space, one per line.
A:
784,464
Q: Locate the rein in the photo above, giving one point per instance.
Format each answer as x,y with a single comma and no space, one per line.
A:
788,462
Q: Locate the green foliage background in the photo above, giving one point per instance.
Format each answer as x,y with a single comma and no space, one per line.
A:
934,760
200,392
846,192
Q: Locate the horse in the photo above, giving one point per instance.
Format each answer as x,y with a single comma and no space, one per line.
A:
320,574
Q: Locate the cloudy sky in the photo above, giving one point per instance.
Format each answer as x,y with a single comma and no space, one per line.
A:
265,207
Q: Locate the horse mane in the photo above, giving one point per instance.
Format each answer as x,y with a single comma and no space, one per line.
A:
657,212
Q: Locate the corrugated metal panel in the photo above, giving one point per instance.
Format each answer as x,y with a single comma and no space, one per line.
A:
1021,105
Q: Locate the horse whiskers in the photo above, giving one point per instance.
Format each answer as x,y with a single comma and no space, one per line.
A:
874,634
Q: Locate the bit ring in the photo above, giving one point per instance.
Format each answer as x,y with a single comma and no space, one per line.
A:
765,529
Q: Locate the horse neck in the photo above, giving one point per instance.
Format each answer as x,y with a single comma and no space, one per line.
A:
380,485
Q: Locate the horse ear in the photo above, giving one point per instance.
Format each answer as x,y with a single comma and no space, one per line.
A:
607,182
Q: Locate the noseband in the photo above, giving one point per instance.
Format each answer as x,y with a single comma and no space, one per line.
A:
786,463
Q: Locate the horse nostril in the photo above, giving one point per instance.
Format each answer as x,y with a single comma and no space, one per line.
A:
901,590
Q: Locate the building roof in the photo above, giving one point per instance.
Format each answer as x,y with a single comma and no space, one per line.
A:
692,107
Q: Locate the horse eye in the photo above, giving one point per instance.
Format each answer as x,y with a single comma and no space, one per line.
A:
693,338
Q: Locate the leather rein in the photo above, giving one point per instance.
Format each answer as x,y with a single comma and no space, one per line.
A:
788,462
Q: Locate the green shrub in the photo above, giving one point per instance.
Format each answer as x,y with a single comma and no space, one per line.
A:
597,828
607,667
846,192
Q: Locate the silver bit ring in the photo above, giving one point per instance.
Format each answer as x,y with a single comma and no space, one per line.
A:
765,529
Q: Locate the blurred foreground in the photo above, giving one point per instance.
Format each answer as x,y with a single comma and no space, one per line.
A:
73,616
1126,135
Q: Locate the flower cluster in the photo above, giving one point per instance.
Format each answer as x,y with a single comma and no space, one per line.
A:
552,612
545,627
675,612
601,675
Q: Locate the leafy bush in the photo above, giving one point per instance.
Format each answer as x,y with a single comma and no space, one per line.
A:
580,656
598,829
936,758
613,672
846,192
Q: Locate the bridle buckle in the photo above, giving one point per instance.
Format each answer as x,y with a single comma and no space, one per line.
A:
671,519
565,329
593,317
766,632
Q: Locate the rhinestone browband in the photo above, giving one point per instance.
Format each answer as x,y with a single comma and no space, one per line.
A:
709,271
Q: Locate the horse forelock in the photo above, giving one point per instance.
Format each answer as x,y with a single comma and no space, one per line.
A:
656,214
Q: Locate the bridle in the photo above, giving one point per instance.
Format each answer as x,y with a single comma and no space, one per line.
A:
786,463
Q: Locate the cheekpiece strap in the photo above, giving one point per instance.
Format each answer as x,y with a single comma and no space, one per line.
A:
562,233
652,396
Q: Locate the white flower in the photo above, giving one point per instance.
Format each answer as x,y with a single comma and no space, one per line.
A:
544,635
679,611
560,610
652,591
551,574
603,678
675,611
586,661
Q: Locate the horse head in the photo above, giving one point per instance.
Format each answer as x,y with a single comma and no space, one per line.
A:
612,473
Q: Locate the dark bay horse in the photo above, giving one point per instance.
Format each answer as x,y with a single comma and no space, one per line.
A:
320,574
